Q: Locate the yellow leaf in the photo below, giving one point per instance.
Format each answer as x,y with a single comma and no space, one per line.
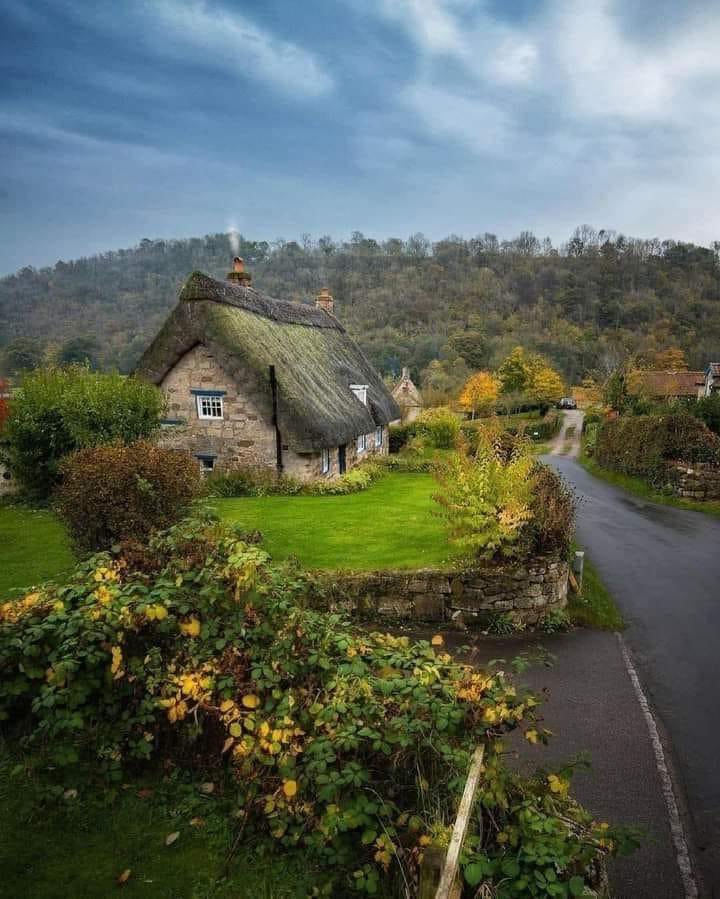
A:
197,822
290,788
171,838
251,701
125,876
191,627
236,729
228,744
437,640
227,705
207,788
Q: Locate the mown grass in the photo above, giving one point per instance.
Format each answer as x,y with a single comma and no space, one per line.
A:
644,490
594,606
391,525
33,547
52,847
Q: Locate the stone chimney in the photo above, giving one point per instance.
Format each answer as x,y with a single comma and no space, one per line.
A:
238,275
324,300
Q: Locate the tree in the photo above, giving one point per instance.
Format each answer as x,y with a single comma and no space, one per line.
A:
547,385
480,393
79,350
22,354
58,411
515,372
671,359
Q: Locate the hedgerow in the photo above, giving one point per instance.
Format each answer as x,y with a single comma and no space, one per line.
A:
642,445
192,650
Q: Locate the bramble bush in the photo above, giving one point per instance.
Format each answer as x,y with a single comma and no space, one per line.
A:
642,445
59,410
121,491
193,651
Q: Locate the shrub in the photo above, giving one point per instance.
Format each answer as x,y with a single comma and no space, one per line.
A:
251,481
643,445
552,524
119,491
57,411
441,426
399,436
359,478
708,410
486,502
195,652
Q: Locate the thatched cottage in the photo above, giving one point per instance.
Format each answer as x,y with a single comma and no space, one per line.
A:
255,381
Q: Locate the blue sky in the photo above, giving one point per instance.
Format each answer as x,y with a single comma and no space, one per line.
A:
171,118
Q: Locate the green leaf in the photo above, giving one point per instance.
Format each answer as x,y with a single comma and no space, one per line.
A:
473,873
576,886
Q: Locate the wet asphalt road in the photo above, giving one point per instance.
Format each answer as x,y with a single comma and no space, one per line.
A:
663,567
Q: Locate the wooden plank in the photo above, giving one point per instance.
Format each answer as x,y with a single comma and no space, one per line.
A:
449,874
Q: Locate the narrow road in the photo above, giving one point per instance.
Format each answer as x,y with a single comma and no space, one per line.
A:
663,566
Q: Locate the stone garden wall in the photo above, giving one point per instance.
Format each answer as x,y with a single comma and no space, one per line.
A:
695,480
525,592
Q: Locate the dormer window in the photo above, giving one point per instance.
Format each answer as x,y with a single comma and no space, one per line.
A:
209,404
360,391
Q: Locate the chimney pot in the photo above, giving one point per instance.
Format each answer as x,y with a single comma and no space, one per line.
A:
324,300
238,275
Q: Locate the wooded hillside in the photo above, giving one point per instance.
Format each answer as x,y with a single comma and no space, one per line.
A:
466,303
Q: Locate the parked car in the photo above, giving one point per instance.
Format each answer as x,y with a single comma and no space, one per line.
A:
567,402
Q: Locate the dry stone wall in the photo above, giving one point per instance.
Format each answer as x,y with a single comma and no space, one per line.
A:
525,592
696,480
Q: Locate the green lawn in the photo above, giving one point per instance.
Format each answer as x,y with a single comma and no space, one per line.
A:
33,548
390,525
52,847
644,490
595,606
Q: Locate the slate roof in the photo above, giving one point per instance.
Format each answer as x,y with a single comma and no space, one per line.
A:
315,359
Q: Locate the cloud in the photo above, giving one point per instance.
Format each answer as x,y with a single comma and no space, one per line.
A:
218,37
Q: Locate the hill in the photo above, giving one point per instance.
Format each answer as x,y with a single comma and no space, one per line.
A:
442,308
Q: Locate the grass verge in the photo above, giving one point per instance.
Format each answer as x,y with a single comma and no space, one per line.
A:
595,606
391,525
33,548
52,847
645,491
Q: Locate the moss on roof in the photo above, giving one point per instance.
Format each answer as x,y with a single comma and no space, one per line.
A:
315,360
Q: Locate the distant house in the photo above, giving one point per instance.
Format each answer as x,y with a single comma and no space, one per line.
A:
255,381
666,384
711,382
408,398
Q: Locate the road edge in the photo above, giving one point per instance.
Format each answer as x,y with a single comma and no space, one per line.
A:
677,830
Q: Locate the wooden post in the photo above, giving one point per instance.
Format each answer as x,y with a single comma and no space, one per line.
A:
447,887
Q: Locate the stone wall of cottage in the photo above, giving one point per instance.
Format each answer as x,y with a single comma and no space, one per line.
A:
525,592
8,484
245,436
695,480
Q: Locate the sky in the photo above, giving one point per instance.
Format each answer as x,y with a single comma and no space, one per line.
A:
126,119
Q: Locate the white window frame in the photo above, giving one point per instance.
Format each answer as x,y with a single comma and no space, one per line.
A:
324,461
214,404
206,463
360,391
361,443
379,436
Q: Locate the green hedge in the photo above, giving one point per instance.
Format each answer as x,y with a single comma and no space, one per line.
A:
642,445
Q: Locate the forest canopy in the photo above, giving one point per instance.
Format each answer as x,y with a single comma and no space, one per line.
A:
445,309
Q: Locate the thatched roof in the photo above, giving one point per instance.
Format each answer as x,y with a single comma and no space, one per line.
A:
315,360
664,383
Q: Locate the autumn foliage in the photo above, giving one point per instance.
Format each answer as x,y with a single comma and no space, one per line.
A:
480,393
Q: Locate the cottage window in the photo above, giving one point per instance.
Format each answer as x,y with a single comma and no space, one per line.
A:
360,391
325,461
379,436
209,405
362,443
207,463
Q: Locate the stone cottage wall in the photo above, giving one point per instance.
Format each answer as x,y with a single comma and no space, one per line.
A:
696,480
245,436
8,484
526,592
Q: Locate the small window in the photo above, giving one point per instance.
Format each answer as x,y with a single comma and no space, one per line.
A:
325,461
360,391
207,463
209,406
378,436
362,443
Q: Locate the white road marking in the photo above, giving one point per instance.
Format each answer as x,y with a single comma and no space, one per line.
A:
682,854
